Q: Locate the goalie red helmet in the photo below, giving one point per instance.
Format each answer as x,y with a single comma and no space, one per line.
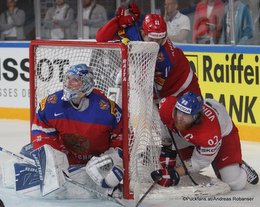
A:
154,26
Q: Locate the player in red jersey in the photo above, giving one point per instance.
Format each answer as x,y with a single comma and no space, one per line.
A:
173,74
208,127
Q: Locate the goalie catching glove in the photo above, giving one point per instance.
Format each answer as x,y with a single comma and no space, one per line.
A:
125,19
166,177
107,169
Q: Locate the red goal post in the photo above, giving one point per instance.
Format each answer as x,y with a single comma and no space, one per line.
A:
124,73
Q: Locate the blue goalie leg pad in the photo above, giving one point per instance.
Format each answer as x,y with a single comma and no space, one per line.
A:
26,177
26,150
39,157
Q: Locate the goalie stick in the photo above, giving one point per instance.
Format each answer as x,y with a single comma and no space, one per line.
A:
110,198
97,193
19,157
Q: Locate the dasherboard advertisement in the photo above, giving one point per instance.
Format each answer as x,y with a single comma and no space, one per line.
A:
14,82
233,80
228,74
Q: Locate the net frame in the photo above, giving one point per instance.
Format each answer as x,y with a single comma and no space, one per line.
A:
129,123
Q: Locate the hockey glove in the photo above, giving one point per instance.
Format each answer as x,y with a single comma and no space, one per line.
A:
106,170
168,157
166,177
133,8
124,19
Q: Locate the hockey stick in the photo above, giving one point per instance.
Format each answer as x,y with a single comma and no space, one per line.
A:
90,190
146,193
175,145
19,157
183,164
110,198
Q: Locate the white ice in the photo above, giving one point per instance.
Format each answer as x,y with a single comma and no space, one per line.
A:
15,133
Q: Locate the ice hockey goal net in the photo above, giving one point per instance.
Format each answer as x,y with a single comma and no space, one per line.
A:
119,69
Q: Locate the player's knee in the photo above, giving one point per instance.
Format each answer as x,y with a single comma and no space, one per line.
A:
234,176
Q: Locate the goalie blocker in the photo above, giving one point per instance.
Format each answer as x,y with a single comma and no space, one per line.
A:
38,173
47,172
106,170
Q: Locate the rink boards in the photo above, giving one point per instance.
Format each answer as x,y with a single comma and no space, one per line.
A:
230,74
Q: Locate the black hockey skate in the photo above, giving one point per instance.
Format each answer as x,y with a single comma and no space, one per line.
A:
252,176
1,203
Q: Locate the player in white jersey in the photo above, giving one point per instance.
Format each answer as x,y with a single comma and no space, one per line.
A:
208,127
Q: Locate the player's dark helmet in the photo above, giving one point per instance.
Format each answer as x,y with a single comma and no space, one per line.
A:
190,104
83,73
154,26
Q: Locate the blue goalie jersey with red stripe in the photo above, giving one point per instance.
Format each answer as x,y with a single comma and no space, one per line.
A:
79,134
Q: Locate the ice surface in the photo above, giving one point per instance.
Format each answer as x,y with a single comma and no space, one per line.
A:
15,133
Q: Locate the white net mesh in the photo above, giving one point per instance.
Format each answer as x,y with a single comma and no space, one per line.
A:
145,149
51,61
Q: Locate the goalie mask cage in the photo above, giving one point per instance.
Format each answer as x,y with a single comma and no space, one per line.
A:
115,65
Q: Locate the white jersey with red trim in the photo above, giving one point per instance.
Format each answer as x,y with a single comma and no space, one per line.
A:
206,135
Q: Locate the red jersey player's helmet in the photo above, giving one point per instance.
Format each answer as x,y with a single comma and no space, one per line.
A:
154,26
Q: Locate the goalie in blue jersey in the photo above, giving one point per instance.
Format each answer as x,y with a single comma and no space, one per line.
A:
78,120
78,125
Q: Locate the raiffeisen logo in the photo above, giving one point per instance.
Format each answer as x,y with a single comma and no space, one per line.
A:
236,69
